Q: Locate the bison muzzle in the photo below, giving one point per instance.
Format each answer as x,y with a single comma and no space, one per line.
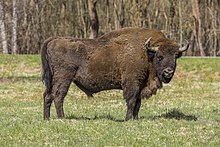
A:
135,60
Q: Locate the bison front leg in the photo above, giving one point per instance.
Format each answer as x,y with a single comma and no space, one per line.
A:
131,95
137,108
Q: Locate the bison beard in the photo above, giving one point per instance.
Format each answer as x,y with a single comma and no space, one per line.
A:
136,60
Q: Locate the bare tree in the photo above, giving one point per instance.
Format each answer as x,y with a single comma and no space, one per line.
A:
25,24
214,12
108,19
119,13
94,21
198,31
14,27
172,14
2,30
180,22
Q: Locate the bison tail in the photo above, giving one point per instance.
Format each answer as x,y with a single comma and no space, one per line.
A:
46,68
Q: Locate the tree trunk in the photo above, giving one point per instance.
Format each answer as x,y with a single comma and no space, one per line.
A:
180,23
214,26
108,19
24,28
81,7
172,14
2,30
94,21
14,27
115,15
196,14
119,14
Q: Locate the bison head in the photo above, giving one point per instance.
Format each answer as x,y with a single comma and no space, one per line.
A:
164,53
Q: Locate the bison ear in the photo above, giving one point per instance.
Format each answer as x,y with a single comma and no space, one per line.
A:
150,54
150,50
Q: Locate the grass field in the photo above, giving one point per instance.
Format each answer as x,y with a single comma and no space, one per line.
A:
185,112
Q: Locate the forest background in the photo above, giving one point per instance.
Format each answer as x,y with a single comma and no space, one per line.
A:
25,24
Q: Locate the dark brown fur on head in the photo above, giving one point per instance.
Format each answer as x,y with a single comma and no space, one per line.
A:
164,57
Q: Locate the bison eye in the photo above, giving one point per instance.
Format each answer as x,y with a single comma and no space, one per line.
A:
160,58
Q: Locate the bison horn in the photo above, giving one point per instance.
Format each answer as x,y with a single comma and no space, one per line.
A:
185,47
147,43
149,47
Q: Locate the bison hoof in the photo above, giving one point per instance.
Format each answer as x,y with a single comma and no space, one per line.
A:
135,117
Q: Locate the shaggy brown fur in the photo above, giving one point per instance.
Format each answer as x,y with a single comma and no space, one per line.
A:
117,60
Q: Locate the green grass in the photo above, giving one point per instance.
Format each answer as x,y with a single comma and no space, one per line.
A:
185,112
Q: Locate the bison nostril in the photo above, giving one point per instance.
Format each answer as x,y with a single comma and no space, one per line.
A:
168,72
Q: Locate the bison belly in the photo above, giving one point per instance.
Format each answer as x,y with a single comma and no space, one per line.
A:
93,81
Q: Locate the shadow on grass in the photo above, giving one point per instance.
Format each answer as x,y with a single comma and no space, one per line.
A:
109,117
177,114
172,114
20,78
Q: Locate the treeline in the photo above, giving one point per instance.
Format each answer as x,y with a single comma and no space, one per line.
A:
25,24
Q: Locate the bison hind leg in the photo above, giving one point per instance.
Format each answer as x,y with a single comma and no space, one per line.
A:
60,85
60,90
47,104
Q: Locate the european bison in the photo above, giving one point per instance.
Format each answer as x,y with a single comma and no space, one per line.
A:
136,60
